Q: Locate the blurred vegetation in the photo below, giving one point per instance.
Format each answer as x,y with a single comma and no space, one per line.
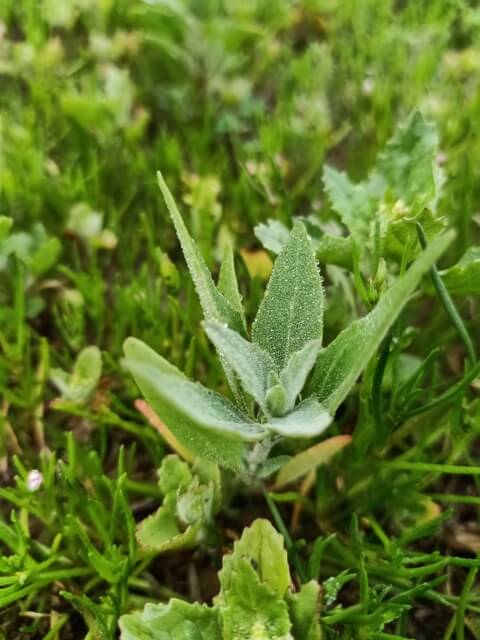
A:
241,103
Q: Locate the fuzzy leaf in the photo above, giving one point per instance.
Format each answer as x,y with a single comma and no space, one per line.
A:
308,419
305,611
249,362
169,393
291,312
310,459
295,373
252,610
339,365
176,620
262,546
228,283
215,305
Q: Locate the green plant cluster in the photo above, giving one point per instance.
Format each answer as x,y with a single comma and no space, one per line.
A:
246,404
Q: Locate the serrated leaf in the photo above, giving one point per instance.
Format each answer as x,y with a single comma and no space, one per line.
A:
273,235
262,546
310,459
340,364
252,611
228,283
160,382
353,202
215,305
304,609
463,279
295,373
308,419
291,312
407,166
177,620
249,361
173,474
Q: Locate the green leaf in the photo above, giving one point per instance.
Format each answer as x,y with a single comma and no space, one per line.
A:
353,202
295,373
190,503
407,167
160,532
215,305
202,420
80,385
228,283
463,279
308,419
5,226
329,249
304,609
252,611
291,312
310,459
174,474
249,362
273,235
95,619
340,364
176,620
263,547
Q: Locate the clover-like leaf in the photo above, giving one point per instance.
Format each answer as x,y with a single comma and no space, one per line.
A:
291,312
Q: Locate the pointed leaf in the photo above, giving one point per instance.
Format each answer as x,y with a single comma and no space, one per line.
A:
309,419
310,459
228,283
196,416
339,365
177,620
296,371
249,362
291,312
215,305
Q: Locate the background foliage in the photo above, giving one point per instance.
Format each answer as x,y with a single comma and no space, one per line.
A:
241,103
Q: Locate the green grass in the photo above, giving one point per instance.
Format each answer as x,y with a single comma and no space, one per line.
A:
240,103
